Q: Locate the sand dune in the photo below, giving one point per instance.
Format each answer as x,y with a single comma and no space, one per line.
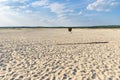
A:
56,54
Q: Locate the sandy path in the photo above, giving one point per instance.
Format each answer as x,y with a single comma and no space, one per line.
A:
46,54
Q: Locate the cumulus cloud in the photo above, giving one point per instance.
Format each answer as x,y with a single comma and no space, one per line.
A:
102,5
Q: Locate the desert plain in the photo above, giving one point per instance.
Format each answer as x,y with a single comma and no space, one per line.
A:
56,54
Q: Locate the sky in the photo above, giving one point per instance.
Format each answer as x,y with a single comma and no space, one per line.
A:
59,12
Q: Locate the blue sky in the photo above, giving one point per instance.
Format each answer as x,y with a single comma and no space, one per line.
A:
59,12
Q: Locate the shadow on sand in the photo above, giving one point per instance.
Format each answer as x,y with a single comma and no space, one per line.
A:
83,43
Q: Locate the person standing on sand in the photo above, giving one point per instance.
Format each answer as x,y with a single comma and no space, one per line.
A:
70,29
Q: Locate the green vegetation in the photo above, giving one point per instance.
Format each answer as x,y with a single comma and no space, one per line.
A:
106,26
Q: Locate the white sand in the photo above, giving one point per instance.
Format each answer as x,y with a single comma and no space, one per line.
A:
56,54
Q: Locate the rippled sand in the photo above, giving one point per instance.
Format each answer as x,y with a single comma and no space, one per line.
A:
56,54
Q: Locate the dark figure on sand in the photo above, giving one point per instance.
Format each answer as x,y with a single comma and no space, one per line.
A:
70,29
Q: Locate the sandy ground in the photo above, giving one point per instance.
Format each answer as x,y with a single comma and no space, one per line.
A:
56,54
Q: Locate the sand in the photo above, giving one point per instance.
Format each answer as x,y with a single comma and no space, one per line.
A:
56,54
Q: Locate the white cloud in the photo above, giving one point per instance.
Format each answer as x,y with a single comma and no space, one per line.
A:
7,3
28,11
3,7
114,3
57,8
19,1
102,5
80,13
60,10
14,16
7,18
3,0
40,3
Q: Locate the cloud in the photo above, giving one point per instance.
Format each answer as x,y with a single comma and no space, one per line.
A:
51,12
40,3
14,16
102,5
7,18
14,4
114,3
80,13
4,8
3,0
59,9
55,7
19,1
28,11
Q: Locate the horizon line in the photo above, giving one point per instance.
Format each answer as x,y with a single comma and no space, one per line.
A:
60,26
